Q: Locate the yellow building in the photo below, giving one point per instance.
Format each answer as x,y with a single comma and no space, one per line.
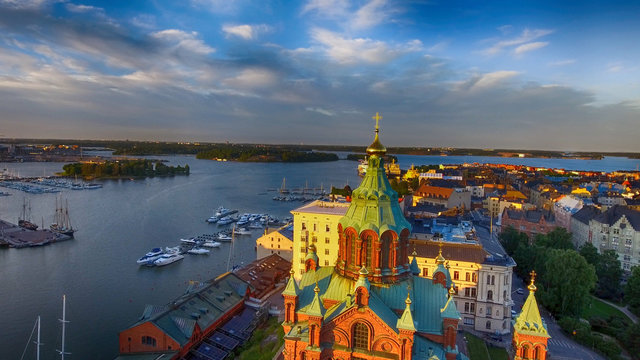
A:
316,223
412,173
482,281
276,241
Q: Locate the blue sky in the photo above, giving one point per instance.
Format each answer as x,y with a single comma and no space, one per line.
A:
511,74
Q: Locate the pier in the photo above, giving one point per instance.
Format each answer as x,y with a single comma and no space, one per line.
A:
12,235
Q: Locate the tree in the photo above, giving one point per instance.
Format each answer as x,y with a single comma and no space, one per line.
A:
590,253
567,279
511,239
632,290
609,273
559,238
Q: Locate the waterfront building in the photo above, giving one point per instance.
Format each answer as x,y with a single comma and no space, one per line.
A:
618,228
264,275
372,304
482,281
530,222
530,335
316,224
176,327
276,241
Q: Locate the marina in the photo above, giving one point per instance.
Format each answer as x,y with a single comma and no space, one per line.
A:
126,219
14,236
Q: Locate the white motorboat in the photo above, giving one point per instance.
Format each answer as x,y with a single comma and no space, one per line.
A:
172,250
242,231
224,237
225,220
212,220
188,241
151,256
198,251
167,259
211,244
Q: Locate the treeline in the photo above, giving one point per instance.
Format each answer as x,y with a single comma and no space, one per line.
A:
237,152
566,279
123,168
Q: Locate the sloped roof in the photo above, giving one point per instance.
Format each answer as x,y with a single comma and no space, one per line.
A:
529,320
532,216
433,191
614,213
585,214
451,251
203,306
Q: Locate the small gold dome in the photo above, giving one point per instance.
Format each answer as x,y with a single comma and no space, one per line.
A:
376,147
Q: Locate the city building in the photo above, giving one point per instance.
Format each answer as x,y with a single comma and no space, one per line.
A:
176,327
482,281
564,209
530,222
372,304
618,228
316,223
580,221
263,276
276,241
530,335
447,197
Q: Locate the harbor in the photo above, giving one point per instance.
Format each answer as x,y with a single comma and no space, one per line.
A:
14,236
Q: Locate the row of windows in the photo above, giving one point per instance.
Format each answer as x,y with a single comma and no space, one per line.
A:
148,340
327,228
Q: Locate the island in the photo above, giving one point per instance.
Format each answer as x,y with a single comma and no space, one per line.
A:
114,169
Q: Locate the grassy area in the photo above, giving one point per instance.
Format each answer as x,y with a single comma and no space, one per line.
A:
597,308
264,342
497,353
478,350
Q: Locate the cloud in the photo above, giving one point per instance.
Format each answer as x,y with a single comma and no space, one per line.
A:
184,41
321,111
218,6
253,78
492,79
527,36
247,32
529,47
371,14
562,62
26,4
360,50
326,8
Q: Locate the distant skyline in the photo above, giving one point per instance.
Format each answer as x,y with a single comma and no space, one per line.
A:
513,74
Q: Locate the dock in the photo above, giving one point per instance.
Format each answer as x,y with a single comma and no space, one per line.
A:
12,235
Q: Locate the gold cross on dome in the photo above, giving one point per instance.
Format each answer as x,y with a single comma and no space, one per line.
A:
377,118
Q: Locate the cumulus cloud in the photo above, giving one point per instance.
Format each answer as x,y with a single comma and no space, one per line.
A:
253,78
491,79
370,14
247,32
527,36
328,8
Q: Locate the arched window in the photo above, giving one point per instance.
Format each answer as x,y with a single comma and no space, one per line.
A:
488,325
489,295
537,353
493,279
360,336
525,351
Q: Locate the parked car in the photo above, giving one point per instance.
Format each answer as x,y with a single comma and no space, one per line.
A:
520,291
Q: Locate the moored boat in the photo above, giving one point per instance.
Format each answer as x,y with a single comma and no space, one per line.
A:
151,256
167,259
211,244
198,251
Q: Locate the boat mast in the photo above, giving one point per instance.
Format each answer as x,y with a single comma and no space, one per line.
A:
38,344
233,234
63,321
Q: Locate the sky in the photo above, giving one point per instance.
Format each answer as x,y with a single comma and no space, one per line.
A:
478,74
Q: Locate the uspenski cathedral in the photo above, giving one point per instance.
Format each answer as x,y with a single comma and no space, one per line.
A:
372,304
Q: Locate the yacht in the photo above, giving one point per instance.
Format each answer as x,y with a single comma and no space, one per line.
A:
211,244
188,241
167,259
242,231
225,220
198,251
213,219
172,250
224,237
151,256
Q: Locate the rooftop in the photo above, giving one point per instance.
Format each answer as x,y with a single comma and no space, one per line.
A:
323,207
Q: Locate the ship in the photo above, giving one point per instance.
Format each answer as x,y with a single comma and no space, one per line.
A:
25,219
62,223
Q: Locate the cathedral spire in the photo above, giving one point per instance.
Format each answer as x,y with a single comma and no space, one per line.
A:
406,320
376,147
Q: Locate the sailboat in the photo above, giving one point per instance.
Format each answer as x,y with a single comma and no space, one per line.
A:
62,223
64,321
283,188
25,219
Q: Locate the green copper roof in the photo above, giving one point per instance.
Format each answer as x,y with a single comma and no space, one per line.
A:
445,271
450,311
292,287
374,203
529,321
424,348
406,320
315,308
415,269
